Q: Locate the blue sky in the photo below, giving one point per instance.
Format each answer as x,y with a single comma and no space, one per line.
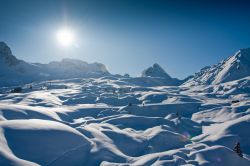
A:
128,35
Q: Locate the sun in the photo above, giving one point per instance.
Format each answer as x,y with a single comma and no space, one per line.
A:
65,37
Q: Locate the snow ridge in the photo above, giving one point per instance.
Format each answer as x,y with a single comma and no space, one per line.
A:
233,68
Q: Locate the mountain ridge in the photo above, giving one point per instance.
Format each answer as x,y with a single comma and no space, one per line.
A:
14,71
233,68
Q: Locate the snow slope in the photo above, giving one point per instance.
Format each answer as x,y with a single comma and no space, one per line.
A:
233,68
44,142
110,121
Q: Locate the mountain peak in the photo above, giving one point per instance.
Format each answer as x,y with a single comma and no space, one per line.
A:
155,71
156,65
6,54
245,53
4,49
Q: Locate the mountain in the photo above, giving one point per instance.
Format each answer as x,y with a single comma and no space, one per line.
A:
68,68
157,72
74,64
6,55
14,71
233,68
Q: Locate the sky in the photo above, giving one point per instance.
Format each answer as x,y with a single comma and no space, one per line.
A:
128,35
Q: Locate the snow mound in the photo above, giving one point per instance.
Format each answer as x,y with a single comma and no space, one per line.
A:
30,139
13,112
218,155
161,139
227,133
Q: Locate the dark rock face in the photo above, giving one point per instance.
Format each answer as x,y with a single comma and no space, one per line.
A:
6,55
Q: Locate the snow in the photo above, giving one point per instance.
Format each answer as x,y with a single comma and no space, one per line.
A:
116,120
15,72
233,68
157,71
92,123
45,142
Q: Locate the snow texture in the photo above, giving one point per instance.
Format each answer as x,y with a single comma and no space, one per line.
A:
116,120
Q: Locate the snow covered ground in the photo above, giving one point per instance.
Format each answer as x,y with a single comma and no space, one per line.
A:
86,116
113,121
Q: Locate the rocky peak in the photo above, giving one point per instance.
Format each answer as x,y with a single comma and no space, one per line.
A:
155,71
6,54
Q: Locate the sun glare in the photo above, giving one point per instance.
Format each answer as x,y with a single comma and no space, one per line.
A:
65,37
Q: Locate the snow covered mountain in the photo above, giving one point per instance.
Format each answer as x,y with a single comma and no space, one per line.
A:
73,64
233,68
14,71
69,68
157,72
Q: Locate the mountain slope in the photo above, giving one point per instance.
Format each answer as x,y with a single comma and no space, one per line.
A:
233,68
13,71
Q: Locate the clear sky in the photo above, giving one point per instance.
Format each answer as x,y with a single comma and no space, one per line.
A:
128,35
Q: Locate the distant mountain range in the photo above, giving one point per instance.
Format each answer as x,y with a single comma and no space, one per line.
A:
14,71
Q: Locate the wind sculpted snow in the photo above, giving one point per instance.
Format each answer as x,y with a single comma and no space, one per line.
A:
103,121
